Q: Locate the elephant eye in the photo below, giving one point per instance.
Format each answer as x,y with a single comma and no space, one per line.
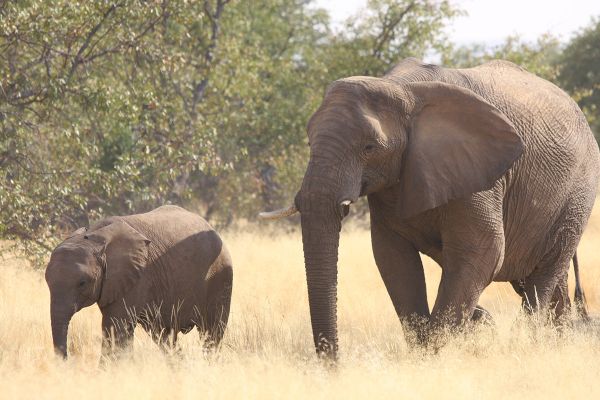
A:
82,284
369,147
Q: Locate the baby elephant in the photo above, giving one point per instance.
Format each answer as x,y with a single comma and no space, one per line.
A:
166,269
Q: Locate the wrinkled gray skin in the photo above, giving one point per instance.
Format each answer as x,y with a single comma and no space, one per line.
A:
166,269
491,171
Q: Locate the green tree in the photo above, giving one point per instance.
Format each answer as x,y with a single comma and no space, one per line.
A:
54,102
118,107
580,71
540,57
387,31
111,107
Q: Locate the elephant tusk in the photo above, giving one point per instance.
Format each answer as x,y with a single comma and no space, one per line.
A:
277,214
344,208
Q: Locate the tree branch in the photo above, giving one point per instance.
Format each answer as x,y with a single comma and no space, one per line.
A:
200,87
78,60
387,32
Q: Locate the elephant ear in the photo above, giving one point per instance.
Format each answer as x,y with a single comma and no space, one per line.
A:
125,253
76,232
458,144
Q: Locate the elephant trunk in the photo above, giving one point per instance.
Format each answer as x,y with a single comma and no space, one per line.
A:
318,203
60,317
320,242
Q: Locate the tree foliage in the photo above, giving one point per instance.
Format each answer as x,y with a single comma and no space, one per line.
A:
580,71
114,107
574,67
387,31
540,57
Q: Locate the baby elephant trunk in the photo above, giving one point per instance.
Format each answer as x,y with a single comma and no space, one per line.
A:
60,317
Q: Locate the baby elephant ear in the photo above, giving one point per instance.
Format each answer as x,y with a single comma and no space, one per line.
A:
458,144
76,232
126,255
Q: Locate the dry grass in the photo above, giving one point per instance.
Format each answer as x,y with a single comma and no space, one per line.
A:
268,351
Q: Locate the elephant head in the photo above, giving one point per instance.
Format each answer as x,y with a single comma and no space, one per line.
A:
89,267
427,142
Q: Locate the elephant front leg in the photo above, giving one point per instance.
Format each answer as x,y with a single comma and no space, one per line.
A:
472,252
457,298
400,266
117,334
482,316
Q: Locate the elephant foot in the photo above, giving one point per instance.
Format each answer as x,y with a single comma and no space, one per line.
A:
431,337
482,316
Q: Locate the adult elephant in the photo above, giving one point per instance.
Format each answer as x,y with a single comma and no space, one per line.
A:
166,269
491,171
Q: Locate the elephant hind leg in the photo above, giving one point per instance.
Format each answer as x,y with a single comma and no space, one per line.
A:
560,302
218,299
537,292
166,339
545,290
152,320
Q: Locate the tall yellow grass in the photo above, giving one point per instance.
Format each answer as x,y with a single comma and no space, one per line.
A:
267,351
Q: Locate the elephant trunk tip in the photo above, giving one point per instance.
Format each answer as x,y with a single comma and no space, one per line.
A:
327,351
60,328
61,352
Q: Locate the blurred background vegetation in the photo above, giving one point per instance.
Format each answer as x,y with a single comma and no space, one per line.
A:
115,107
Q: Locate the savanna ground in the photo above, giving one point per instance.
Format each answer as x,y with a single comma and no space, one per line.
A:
268,352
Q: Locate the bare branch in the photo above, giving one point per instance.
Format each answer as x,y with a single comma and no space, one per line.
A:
79,56
387,31
26,236
124,45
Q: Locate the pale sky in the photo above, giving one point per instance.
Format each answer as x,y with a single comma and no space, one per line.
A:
490,21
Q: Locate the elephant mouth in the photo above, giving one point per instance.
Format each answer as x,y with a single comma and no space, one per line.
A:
363,188
373,181
344,208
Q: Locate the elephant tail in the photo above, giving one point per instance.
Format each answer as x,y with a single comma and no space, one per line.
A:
580,301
